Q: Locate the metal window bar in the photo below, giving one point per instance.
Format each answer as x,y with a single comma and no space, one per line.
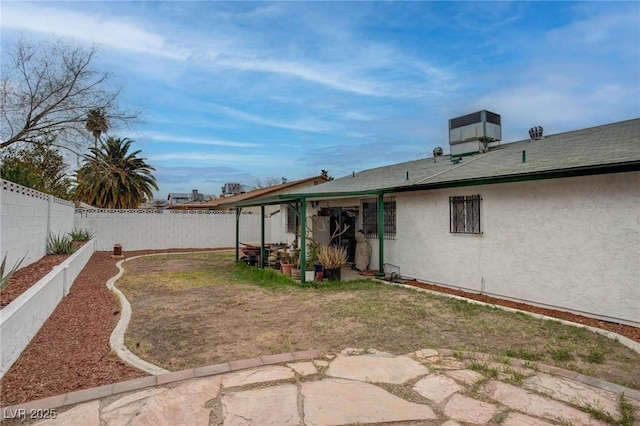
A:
292,220
369,208
464,212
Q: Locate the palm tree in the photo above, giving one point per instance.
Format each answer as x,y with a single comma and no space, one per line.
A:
112,178
96,124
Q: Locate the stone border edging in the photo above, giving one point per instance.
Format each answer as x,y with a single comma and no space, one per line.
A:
116,340
85,395
625,341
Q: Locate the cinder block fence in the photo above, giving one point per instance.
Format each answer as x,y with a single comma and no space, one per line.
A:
27,217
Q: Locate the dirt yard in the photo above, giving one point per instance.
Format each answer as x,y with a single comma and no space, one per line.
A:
201,309
194,310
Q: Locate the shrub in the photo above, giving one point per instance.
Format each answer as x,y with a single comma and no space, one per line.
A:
59,244
332,256
4,279
81,234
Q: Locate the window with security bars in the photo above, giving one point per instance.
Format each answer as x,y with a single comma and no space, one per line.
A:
369,208
293,221
464,212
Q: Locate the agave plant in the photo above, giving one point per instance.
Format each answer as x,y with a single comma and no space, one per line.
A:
59,244
81,234
332,256
4,279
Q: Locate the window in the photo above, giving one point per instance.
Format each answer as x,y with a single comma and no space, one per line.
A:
293,221
464,213
370,218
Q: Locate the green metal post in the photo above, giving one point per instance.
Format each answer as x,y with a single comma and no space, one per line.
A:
303,241
238,210
381,233
262,259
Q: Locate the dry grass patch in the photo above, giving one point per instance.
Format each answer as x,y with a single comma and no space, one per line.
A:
197,309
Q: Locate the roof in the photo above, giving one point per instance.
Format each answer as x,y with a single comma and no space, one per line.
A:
179,194
602,149
283,188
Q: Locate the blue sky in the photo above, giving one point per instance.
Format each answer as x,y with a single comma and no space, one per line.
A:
239,91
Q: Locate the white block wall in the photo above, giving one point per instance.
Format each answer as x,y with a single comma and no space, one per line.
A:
164,229
26,218
23,317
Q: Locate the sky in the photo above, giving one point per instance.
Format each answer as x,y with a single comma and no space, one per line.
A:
252,91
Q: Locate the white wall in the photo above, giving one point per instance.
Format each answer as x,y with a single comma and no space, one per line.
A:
571,243
26,218
23,317
150,229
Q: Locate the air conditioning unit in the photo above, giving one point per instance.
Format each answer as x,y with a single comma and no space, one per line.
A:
476,132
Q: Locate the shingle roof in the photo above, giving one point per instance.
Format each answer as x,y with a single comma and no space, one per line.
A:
607,145
601,149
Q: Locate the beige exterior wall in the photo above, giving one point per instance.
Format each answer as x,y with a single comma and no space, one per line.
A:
572,243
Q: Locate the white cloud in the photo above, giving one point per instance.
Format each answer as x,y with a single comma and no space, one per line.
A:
181,140
114,32
308,125
179,158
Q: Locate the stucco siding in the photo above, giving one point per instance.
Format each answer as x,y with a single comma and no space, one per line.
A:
572,243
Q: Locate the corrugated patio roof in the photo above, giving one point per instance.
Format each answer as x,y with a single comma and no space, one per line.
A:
602,149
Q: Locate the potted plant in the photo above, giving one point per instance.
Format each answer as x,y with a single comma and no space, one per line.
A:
295,262
332,258
285,262
312,260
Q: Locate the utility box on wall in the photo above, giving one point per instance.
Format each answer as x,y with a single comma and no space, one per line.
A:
476,132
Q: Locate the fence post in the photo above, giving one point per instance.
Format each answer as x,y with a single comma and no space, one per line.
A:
49,211
65,279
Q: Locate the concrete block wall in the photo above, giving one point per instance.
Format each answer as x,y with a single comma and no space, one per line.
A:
26,218
164,229
22,318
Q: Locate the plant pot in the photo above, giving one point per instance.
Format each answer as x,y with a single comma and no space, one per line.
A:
295,273
332,274
285,268
309,276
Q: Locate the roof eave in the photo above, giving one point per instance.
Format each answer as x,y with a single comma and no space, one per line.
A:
519,177
285,198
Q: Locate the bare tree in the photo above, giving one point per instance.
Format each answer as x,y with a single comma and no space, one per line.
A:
48,90
269,181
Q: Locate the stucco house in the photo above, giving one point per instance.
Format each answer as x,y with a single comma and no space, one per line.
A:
551,220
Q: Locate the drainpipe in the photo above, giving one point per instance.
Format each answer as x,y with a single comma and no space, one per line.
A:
262,259
238,210
303,241
381,233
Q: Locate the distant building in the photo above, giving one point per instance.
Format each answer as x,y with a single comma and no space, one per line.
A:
183,197
231,189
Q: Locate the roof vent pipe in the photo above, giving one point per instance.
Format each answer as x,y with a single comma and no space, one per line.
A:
535,132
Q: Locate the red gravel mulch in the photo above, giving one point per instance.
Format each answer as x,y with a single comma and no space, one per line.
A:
71,351
24,278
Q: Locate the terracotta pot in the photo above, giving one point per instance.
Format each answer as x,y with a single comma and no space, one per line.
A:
285,268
